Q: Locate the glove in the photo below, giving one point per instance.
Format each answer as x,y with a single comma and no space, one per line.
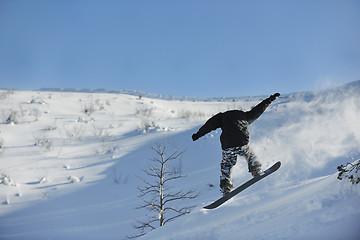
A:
195,137
273,97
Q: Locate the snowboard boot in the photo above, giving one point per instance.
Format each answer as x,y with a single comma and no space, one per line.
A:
226,186
254,167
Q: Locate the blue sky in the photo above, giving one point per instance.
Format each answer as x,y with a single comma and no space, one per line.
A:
208,48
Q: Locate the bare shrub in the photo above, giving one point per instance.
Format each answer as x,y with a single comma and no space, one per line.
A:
35,112
10,117
45,144
350,171
74,132
5,179
89,109
185,113
118,178
145,114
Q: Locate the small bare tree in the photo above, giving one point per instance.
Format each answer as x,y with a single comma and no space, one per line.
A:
158,195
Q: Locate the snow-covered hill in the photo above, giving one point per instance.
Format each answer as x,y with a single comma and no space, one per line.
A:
70,165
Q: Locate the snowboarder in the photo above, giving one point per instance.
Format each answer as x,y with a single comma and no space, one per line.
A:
235,139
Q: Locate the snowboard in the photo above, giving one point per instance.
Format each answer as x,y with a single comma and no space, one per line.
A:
237,190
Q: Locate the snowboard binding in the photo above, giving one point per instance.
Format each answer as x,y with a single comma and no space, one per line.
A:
226,186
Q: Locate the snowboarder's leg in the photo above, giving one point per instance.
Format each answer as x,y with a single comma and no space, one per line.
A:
253,164
229,158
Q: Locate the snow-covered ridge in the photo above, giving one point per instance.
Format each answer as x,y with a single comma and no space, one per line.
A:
70,162
147,95
350,87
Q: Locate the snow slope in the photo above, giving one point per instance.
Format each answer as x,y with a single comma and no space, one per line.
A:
70,165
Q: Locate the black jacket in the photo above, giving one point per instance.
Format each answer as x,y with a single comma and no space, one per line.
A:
234,125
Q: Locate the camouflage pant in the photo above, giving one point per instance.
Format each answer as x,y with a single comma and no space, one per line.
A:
229,158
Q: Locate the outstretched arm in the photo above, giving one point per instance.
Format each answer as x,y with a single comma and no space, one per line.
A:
211,124
255,113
